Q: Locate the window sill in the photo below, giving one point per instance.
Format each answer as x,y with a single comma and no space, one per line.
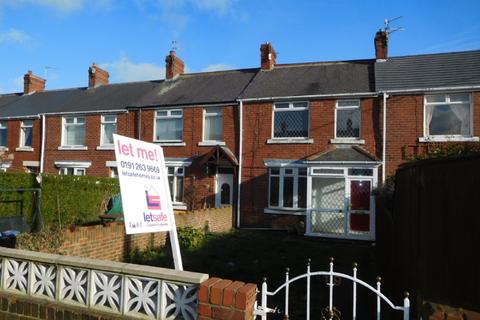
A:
170,144
347,141
107,147
295,212
72,148
24,149
211,143
179,206
448,139
290,141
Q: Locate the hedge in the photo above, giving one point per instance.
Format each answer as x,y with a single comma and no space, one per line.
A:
66,200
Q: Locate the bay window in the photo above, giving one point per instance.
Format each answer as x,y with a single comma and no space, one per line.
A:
175,181
288,188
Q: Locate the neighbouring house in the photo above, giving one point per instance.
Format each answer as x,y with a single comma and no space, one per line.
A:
287,145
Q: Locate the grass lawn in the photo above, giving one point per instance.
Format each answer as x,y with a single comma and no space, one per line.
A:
249,256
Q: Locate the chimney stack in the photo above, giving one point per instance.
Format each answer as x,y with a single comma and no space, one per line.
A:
174,66
381,45
32,83
97,76
268,56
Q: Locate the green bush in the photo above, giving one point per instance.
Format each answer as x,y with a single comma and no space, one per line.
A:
190,238
66,200
74,200
13,203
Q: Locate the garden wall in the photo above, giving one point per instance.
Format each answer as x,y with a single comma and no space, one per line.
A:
109,241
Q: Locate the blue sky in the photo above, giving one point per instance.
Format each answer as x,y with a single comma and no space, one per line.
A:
130,38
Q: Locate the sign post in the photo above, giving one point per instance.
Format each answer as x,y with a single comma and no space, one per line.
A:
147,205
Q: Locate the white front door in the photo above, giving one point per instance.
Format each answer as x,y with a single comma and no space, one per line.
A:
223,189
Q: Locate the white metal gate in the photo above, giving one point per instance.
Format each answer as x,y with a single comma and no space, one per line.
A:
263,309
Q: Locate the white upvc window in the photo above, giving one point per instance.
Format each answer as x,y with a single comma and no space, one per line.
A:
3,134
26,133
168,125
73,132
448,116
348,119
72,171
213,124
288,188
176,182
108,128
290,120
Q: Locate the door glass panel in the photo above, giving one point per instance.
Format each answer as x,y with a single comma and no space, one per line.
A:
225,194
328,195
360,205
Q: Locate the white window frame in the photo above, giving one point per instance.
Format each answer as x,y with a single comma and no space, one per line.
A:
176,174
282,174
102,129
212,112
64,132
290,108
64,171
22,134
451,137
168,116
4,126
356,103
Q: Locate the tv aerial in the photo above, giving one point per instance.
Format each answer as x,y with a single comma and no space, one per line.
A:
389,29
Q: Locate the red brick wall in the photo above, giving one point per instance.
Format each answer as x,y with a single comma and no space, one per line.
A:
405,124
109,241
14,143
199,191
125,126
258,129
226,299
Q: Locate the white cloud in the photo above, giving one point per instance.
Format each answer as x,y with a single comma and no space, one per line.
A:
124,70
62,6
221,7
15,36
218,67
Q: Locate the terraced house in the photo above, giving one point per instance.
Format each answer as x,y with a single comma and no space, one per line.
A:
285,144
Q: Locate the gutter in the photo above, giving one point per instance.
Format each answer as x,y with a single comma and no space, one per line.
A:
86,112
21,117
432,89
330,95
240,158
42,148
384,142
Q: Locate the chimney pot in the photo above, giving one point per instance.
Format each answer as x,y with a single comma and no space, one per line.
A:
32,83
381,45
174,66
97,76
268,56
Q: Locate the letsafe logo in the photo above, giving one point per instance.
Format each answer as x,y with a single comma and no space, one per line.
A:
153,204
153,199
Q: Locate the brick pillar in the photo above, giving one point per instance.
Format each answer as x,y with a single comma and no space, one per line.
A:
225,299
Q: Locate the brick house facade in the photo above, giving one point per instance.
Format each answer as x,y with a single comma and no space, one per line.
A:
294,145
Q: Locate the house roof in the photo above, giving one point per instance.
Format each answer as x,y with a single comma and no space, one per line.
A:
313,79
455,69
201,88
344,154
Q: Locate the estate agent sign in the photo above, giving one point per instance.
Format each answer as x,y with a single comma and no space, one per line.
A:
147,205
